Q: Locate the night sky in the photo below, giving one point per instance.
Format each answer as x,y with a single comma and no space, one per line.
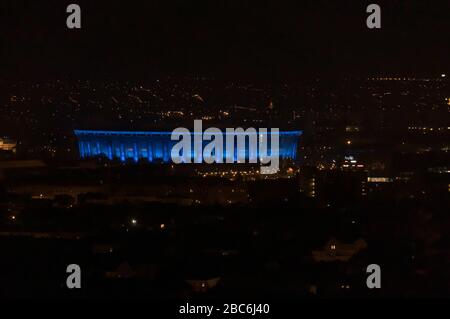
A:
223,38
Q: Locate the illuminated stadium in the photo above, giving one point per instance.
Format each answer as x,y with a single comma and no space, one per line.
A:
156,146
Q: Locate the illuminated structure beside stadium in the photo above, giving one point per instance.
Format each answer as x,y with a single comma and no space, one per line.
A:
156,146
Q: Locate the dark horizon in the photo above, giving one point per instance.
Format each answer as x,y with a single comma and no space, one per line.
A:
224,40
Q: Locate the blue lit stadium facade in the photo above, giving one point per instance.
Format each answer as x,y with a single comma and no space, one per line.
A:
156,146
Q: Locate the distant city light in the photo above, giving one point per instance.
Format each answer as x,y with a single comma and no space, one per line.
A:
349,142
379,179
443,75
134,221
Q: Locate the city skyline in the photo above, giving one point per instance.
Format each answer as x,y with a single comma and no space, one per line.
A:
112,186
